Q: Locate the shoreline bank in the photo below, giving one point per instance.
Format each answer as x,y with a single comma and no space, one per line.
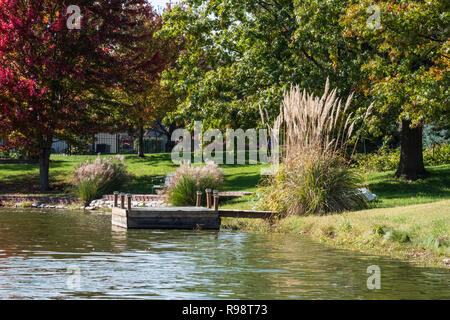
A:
419,234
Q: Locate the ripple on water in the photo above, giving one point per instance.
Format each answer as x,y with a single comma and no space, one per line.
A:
39,252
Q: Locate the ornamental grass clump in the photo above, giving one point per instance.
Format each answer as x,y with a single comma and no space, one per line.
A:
314,177
187,180
92,179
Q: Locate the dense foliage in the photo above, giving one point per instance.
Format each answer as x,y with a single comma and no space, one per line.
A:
240,55
388,159
244,54
54,79
144,100
407,70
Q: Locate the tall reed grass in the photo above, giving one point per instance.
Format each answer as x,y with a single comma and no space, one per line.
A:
92,179
187,180
314,177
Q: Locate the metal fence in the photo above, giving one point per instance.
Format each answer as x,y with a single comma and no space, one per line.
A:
119,143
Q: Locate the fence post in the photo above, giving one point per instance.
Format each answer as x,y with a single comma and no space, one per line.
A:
208,198
199,199
129,197
117,143
122,200
116,198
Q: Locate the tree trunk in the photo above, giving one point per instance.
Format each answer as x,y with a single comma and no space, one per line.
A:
411,157
44,164
141,142
169,145
33,158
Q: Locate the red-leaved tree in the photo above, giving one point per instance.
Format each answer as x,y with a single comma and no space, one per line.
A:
54,76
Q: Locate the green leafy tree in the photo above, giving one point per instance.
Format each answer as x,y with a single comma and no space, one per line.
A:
406,73
240,55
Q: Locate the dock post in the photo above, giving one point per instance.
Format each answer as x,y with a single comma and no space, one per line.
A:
129,197
116,198
122,200
199,199
216,201
208,198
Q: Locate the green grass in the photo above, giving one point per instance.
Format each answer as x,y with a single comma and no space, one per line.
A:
417,233
24,178
394,192
391,192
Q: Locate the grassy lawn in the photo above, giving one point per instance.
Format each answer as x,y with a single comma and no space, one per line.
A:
24,178
418,233
398,192
391,192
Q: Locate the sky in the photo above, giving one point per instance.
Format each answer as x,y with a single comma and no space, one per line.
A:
161,3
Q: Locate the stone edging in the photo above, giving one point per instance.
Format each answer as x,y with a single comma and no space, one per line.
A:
227,195
39,199
137,197
66,200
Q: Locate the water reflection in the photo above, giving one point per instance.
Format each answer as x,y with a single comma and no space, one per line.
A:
37,247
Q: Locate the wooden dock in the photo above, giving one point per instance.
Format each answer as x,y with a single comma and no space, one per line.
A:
190,218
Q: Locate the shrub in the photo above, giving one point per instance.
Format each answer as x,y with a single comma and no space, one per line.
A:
387,160
4,155
187,180
440,245
93,179
10,154
437,155
183,192
383,160
434,135
313,177
81,148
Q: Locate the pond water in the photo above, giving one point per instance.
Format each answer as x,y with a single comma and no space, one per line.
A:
73,255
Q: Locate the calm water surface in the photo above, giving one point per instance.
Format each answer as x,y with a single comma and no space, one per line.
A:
40,251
